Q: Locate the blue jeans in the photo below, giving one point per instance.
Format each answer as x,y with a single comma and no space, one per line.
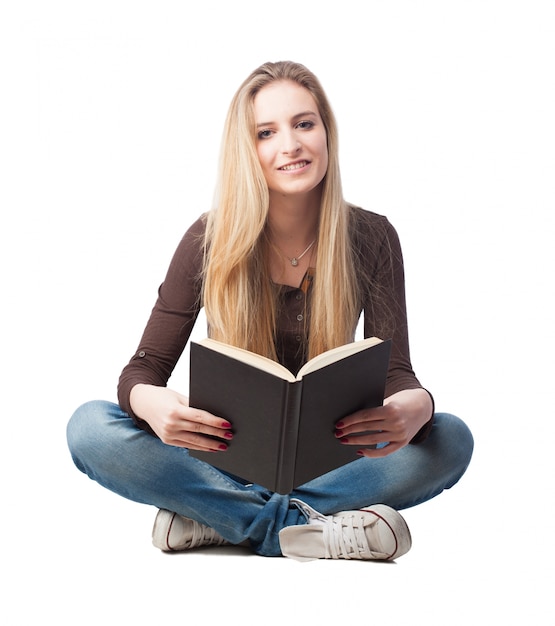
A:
106,445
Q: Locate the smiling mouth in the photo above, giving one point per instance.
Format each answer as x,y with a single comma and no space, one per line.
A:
294,166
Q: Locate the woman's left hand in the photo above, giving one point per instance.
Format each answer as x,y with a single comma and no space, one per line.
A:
395,423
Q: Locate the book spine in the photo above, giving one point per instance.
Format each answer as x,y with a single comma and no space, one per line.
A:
289,437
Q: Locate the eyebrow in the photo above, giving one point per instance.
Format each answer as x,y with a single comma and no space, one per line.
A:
295,117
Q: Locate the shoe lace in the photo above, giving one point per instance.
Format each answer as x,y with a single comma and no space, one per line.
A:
204,536
345,537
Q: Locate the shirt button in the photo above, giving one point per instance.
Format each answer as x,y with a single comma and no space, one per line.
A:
298,338
299,317
142,354
299,296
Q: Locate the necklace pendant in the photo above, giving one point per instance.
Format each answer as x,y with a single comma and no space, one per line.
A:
294,262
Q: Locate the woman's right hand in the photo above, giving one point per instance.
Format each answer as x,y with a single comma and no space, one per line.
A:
176,423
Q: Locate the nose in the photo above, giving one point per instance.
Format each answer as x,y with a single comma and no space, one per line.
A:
290,143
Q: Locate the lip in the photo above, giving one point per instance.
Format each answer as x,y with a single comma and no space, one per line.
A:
294,166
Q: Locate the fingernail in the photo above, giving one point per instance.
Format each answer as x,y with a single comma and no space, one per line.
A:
222,446
344,440
360,452
339,425
338,433
226,424
228,435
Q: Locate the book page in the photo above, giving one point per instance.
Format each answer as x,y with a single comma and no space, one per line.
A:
251,358
336,354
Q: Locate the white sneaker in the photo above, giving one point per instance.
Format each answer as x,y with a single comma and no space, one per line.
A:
377,532
174,532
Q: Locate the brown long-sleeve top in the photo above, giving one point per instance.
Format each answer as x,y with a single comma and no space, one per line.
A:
379,266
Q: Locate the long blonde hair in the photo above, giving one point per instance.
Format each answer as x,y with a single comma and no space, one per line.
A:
238,297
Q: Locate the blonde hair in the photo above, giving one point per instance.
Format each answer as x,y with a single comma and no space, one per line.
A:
238,297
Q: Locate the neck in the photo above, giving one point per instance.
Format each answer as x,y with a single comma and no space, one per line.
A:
293,220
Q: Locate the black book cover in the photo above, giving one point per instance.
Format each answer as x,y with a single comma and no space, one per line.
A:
284,431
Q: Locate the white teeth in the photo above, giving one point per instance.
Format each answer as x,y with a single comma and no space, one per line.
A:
294,166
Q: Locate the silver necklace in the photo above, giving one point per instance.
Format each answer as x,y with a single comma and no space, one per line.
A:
295,260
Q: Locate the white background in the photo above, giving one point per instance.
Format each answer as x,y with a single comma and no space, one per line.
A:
110,123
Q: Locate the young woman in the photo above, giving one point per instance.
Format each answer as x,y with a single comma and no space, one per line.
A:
284,267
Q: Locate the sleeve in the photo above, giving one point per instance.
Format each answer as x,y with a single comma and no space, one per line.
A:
171,321
384,304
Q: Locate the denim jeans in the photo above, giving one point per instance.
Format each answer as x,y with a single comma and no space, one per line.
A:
106,445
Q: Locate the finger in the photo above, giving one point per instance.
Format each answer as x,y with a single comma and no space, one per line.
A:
184,432
188,428
204,417
366,439
377,453
353,422
197,442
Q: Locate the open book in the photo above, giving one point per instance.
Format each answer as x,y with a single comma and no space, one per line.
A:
284,425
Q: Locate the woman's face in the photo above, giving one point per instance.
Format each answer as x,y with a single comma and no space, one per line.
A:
291,139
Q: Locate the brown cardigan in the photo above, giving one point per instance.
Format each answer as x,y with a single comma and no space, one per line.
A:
380,270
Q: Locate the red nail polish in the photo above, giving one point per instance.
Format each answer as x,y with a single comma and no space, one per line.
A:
222,446
338,433
226,425
344,440
339,425
228,435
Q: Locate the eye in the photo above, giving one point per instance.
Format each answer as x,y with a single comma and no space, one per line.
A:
305,125
264,134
